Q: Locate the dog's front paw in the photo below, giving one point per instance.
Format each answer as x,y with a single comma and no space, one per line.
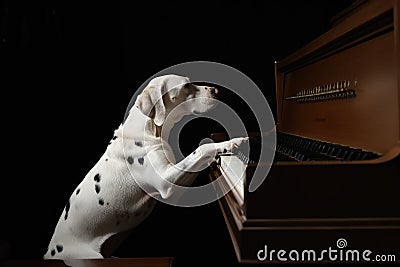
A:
234,143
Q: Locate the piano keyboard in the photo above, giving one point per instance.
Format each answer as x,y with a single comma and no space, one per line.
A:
295,148
234,171
291,147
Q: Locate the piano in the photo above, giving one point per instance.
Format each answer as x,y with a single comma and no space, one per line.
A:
335,179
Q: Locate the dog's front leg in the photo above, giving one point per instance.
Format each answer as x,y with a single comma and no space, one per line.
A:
184,172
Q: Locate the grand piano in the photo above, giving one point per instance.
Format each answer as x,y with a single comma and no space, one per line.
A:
335,179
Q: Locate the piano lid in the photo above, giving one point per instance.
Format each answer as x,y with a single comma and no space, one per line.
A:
344,86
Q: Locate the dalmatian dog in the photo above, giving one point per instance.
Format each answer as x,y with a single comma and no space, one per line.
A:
111,200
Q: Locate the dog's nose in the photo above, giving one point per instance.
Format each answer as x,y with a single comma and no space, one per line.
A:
213,91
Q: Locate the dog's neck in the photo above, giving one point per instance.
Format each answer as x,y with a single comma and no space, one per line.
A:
139,127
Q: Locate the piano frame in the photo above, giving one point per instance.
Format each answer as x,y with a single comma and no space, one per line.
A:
312,204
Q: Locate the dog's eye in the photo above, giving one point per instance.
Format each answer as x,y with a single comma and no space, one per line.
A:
187,85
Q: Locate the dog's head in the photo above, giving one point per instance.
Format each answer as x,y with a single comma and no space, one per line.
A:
165,93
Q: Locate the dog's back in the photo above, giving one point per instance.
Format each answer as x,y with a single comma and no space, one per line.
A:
108,201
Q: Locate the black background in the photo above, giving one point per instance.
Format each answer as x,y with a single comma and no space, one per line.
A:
70,69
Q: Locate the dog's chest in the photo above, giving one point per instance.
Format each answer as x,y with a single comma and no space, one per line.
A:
108,198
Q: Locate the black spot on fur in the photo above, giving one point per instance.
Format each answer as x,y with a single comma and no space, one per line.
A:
141,160
53,252
225,150
97,178
67,206
130,160
109,143
108,203
77,191
106,159
97,188
59,248
114,137
101,202
194,152
138,143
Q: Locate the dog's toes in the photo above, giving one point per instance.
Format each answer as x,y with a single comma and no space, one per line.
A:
238,141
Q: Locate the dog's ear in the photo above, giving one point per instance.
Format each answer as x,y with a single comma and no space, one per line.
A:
151,103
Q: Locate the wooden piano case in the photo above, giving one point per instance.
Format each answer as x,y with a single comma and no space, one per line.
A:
342,88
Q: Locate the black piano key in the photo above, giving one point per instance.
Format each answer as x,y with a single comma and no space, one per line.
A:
324,149
328,150
366,155
348,155
356,155
343,152
291,147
